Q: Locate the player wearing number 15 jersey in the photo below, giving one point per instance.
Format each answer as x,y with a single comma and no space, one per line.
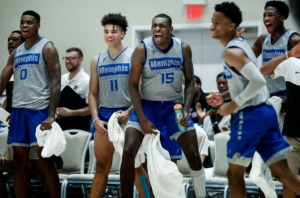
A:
160,62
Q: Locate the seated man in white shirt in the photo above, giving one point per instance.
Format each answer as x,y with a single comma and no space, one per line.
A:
73,110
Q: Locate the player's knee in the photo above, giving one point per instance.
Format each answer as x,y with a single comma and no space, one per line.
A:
128,155
234,176
279,176
102,167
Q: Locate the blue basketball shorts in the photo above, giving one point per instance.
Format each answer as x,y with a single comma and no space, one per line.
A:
162,115
104,114
255,128
23,123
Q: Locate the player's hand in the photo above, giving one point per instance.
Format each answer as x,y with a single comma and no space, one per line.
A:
8,119
63,111
200,112
101,127
240,32
148,127
227,108
123,117
184,121
214,99
47,124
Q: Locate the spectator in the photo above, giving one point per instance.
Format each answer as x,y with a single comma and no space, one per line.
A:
215,123
73,111
199,106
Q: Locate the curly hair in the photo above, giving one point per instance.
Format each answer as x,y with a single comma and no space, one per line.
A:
281,6
231,10
115,19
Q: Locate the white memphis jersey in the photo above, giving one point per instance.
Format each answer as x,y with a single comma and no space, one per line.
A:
113,79
272,50
236,81
162,72
31,82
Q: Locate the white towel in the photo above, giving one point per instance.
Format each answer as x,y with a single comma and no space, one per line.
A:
165,178
53,140
116,135
276,102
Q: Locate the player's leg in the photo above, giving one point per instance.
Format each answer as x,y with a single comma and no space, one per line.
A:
189,145
18,138
235,175
133,140
104,151
20,171
142,182
47,166
49,174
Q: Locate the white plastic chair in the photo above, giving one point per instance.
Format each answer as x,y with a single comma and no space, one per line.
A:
87,179
75,152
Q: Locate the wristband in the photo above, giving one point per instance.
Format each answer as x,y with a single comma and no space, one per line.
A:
286,55
95,120
215,123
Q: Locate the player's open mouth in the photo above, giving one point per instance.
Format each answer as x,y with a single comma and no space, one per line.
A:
268,25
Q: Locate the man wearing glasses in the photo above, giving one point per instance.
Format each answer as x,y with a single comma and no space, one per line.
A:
73,110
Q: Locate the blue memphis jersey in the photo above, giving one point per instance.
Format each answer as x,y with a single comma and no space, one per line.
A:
272,50
113,79
31,83
162,72
236,81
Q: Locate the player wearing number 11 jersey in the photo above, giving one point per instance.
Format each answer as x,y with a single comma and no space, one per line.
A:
109,94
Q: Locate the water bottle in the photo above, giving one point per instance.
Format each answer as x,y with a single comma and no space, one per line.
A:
179,115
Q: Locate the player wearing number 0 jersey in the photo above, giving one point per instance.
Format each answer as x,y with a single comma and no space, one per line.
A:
36,68
31,71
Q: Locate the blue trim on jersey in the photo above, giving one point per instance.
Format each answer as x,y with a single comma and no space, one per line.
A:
98,62
43,51
146,52
163,52
118,54
228,71
181,45
33,44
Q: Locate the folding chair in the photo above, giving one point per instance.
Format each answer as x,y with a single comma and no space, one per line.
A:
85,180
